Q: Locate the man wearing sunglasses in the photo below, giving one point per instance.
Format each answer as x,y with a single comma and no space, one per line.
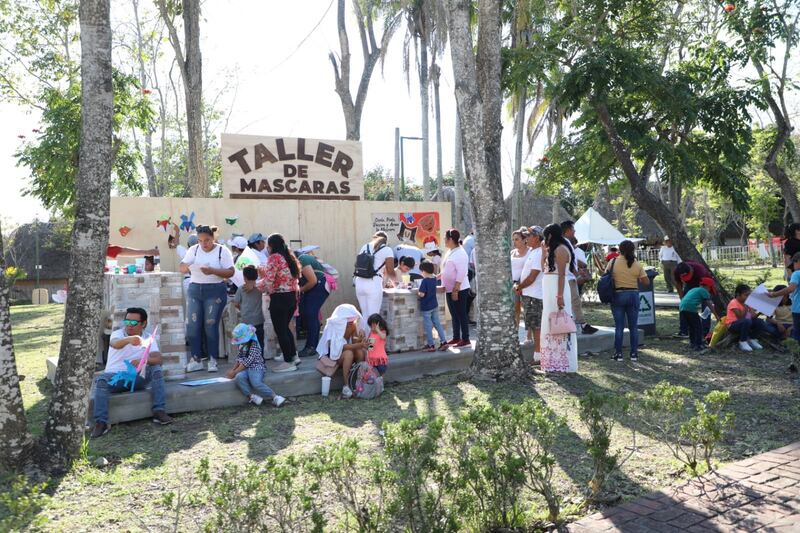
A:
128,344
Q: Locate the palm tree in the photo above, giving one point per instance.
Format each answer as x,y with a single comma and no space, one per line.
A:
426,31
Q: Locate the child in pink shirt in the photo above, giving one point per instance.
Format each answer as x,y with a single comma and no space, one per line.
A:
376,355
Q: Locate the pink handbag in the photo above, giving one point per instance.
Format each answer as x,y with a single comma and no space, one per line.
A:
561,323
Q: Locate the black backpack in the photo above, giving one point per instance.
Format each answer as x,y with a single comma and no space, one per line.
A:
365,263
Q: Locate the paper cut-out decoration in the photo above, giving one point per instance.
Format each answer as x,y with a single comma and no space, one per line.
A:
174,238
126,378
124,230
187,223
231,220
163,222
406,234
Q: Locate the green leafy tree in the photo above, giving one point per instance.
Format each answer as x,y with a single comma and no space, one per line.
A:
52,156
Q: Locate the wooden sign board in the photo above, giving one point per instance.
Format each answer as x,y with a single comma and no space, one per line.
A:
291,168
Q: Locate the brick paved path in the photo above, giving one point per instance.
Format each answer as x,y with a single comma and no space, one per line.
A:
761,493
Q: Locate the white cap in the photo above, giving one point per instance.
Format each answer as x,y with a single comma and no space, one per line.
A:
239,242
430,246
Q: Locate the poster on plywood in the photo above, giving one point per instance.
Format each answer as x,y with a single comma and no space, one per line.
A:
414,229
299,168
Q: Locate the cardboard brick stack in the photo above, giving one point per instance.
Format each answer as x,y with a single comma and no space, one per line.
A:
161,295
400,309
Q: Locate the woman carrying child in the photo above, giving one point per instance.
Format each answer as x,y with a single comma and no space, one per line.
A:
249,369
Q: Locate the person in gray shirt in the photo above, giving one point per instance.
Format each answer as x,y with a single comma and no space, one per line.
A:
248,301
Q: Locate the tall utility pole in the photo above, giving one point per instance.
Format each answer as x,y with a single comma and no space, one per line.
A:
396,164
37,266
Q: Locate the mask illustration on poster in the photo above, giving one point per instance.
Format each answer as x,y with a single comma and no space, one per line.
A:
163,222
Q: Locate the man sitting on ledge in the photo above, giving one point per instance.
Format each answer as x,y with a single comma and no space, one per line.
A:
126,345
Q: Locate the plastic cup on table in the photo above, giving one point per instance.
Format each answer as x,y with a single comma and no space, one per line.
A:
326,385
131,269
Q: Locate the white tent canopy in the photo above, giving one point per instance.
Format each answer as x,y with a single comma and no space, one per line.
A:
593,228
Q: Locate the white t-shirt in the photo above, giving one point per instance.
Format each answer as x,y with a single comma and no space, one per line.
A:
116,358
517,262
379,258
533,262
459,257
580,256
469,244
405,250
668,253
218,257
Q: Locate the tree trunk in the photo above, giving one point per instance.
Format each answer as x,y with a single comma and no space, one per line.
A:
437,117
190,66
352,109
458,178
652,204
778,174
67,410
479,99
519,133
193,90
15,441
149,167
424,104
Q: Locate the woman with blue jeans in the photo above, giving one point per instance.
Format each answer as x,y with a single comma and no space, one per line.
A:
312,297
628,273
209,264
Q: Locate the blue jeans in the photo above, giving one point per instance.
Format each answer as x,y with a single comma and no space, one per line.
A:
695,327
683,326
205,304
796,326
253,379
310,304
626,304
747,328
153,377
430,319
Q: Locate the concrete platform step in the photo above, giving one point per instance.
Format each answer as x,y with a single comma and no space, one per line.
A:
306,380
601,341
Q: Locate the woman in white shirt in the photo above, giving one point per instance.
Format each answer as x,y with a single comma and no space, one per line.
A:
209,265
519,253
455,279
369,291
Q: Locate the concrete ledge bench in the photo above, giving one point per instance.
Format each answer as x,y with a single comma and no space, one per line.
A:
408,366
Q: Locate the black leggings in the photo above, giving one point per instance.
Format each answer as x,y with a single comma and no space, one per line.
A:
282,306
458,312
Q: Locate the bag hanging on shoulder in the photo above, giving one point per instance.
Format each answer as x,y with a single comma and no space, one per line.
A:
605,285
365,263
561,323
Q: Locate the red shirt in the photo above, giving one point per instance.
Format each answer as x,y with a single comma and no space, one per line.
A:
275,276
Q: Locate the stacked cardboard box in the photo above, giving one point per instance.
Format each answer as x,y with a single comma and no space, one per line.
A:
161,295
400,309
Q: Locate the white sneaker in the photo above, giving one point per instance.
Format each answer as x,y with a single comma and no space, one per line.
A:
277,401
194,366
295,361
284,367
754,344
278,356
347,392
256,399
745,347
212,365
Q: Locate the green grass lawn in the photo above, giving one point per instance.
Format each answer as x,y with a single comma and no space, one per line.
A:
750,276
146,461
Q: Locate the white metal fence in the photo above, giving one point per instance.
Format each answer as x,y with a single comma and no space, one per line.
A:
721,255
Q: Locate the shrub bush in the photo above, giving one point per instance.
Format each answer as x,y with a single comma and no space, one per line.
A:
691,429
599,413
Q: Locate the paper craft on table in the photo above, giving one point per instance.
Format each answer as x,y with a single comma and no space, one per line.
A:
762,303
198,382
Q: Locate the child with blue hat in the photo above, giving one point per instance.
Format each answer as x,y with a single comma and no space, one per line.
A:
249,369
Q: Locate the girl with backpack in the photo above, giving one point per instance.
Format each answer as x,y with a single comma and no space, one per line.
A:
374,265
